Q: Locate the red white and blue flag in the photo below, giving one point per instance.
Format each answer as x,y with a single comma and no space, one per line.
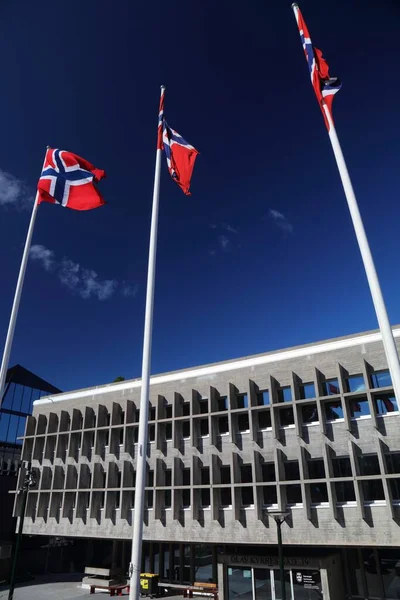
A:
325,87
69,180
180,155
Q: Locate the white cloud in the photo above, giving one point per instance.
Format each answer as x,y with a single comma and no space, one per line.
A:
280,220
82,281
13,192
42,255
223,242
128,290
229,228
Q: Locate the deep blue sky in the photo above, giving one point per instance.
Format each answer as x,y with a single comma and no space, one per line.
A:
85,76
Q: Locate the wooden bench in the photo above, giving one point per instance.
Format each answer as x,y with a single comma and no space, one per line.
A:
201,589
115,590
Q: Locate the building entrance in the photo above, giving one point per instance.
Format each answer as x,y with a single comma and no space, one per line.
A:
265,584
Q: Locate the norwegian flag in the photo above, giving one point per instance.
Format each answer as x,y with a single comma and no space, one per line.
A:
69,180
180,155
325,87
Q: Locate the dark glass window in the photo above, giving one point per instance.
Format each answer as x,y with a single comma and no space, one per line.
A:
168,411
246,475
225,474
393,462
309,414
316,468
242,401
293,494
345,491
369,464
149,498
292,471
223,425
205,475
268,471
204,427
359,407
185,498
355,383
167,498
318,493
385,403
330,387
152,434
243,423
264,419
204,406
381,379
168,432
186,476
269,495
205,498
226,497
395,488
333,410
286,417
150,478
222,403
373,490
263,398
168,477
247,496
307,390
341,466
285,394
152,414
185,429
185,409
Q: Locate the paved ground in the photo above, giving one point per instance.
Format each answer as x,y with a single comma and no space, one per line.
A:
57,588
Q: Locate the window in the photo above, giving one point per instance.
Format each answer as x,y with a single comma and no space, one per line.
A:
263,398
225,474
121,436
168,411
355,383
269,495
342,467
264,419
185,498
186,430
185,409
373,490
247,496
291,468
246,475
359,407
186,476
223,425
369,464
318,493
309,414
168,477
345,491
204,427
167,498
268,471
150,478
293,494
330,387
385,403
168,432
333,410
149,498
286,417
243,423
395,489
381,379
307,390
242,401
285,394
152,414
152,434
316,468
393,462
204,406
222,403
205,475
205,498
226,497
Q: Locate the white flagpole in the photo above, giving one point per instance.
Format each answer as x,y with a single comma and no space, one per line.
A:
134,567
17,298
389,344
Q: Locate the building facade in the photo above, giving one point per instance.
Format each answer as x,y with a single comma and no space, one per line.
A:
312,430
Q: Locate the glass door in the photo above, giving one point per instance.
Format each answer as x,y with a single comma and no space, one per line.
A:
240,583
278,586
263,584
306,584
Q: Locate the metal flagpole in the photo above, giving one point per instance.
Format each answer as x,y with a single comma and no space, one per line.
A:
134,567
389,344
17,298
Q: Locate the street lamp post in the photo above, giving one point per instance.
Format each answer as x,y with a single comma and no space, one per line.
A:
29,482
280,517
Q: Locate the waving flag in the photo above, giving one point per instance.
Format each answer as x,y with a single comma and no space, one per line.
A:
181,156
69,180
325,87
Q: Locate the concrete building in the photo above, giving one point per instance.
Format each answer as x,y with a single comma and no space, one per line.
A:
314,430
